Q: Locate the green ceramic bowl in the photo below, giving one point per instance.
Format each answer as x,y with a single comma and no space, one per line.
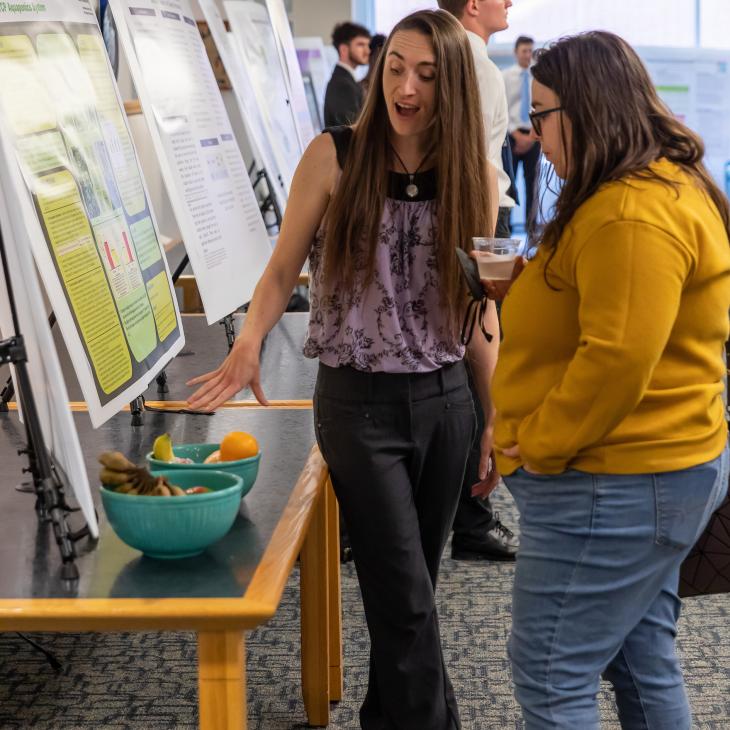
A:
176,527
247,469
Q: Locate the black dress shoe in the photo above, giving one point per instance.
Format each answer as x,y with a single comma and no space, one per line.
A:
498,543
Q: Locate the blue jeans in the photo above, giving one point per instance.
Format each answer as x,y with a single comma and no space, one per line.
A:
595,592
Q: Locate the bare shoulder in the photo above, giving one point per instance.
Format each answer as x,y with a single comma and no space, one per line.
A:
319,162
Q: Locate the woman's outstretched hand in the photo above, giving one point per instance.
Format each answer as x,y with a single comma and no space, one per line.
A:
497,290
238,371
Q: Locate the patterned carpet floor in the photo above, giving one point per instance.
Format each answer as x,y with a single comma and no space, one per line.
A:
148,681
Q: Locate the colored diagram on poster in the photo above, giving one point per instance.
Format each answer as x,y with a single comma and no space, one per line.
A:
100,254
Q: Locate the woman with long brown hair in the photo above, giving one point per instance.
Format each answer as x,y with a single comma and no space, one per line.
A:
611,427
380,208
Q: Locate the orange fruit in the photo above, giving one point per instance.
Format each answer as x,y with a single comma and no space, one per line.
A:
238,445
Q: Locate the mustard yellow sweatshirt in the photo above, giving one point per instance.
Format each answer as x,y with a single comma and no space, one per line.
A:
619,369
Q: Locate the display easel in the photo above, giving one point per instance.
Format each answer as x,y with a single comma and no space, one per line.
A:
47,480
268,203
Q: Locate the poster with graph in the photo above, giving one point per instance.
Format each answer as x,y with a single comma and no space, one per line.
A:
88,218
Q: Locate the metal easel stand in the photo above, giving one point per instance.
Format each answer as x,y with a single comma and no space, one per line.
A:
268,203
47,480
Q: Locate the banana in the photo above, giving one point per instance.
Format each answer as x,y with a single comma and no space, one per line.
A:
109,476
116,461
125,488
162,448
177,491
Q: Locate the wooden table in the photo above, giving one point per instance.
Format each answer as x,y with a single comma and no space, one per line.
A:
234,586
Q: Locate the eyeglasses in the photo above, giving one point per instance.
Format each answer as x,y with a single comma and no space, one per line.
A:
537,117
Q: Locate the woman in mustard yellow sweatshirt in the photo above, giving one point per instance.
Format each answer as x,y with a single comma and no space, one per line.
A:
610,429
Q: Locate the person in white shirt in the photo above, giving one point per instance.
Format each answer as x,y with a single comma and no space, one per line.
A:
478,533
525,150
482,18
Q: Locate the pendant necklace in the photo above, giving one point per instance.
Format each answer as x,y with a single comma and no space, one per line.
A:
411,188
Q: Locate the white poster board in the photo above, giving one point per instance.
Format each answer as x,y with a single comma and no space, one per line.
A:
256,130
695,85
204,171
256,43
293,74
85,209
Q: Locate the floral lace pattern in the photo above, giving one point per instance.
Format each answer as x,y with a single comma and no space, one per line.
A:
397,323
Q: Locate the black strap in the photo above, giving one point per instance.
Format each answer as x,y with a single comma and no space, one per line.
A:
342,137
474,312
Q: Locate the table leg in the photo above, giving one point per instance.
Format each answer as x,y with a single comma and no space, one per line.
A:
335,595
222,680
315,619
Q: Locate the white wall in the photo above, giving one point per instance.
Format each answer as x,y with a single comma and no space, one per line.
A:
319,17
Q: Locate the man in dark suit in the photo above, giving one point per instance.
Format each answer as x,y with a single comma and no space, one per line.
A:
344,95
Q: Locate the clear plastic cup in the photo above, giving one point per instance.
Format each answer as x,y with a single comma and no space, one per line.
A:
496,257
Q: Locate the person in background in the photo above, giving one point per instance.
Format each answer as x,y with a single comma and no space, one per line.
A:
525,148
380,209
611,431
376,46
478,532
344,95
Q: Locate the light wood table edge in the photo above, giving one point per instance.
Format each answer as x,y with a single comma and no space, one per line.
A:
269,580
176,405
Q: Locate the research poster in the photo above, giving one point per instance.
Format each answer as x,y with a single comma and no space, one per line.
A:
256,43
204,172
293,74
256,130
695,85
90,225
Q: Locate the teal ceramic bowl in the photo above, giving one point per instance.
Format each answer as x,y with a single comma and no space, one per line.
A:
176,527
247,469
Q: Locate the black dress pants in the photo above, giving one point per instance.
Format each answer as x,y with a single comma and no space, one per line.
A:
531,164
396,445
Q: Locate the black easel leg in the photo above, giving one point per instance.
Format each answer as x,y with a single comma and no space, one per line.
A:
230,328
161,381
137,408
57,666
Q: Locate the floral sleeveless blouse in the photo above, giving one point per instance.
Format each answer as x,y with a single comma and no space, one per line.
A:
397,323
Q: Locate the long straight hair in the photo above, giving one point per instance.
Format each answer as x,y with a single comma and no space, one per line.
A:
352,222
619,124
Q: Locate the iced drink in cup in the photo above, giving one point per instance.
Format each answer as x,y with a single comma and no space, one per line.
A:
496,257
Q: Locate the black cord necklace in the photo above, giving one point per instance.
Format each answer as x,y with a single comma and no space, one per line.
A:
411,188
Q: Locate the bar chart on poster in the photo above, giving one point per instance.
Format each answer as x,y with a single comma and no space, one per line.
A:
201,162
90,225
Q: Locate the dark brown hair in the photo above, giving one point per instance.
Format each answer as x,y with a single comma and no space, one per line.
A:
352,221
619,124
455,7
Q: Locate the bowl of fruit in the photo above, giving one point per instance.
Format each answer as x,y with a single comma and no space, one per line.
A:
168,514
238,453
